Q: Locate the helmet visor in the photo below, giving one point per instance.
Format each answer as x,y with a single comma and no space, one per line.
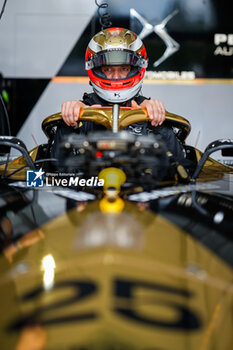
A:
116,58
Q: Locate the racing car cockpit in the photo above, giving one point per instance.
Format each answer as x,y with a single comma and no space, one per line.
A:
144,159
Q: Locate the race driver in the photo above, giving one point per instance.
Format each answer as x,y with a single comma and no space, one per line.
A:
116,61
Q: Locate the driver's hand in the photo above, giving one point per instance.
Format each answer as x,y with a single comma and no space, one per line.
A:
70,111
155,109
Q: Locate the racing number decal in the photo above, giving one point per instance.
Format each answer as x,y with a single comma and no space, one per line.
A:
186,320
82,290
123,290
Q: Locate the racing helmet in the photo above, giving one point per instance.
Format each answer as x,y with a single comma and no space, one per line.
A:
116,47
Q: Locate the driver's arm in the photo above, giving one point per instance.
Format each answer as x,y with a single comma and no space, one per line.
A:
70,111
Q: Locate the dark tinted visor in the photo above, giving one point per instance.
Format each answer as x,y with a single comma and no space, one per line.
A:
116,58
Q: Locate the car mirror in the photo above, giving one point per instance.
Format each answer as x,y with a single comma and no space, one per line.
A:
224,145
14,142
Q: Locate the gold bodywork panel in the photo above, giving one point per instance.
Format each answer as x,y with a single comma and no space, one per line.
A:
126,281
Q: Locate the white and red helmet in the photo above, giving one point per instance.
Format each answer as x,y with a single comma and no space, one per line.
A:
116,47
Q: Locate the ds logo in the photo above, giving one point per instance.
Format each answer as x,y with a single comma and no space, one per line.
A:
35,178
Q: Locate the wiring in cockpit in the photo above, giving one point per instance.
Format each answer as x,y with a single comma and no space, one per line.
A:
104,18
1,99
6,115
3,104
3,8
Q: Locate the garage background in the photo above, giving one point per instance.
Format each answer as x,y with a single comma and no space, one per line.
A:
42,46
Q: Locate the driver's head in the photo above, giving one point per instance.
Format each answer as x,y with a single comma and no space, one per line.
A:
116,61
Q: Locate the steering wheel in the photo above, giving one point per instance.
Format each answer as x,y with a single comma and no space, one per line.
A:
127,116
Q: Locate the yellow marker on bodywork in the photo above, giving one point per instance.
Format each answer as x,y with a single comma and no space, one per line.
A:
113,180
112,206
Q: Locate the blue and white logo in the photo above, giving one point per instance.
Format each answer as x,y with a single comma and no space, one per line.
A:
35,178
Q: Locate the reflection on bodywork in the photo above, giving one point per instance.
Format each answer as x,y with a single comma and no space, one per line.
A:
48,266
102,230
